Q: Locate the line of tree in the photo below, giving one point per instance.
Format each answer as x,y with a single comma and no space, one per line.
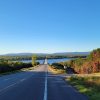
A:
91,64
19,58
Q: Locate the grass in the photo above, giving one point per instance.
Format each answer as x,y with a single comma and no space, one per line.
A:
56,71
88,75
89,85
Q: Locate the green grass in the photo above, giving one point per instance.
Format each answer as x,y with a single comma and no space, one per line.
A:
87,85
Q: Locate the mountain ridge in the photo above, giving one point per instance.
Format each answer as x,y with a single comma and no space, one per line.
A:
57,53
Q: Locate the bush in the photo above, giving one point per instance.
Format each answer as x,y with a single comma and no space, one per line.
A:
57,66
91,64
6,66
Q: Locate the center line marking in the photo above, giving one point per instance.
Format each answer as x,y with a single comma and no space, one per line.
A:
45,89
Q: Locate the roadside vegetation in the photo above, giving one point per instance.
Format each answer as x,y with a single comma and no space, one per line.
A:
57,68
89,85
88,65
87,79
8,66
11,66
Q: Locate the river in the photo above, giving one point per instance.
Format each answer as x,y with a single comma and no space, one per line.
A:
50,61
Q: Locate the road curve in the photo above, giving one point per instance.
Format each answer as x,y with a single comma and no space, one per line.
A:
38,84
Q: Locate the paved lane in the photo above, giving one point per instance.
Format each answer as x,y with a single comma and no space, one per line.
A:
32,88
58,89
37,85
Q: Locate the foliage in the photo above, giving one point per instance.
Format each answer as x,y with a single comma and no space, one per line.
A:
57,66
91,64
34,58
8,66
55,70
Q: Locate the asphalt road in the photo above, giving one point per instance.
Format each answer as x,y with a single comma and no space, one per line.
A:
37,85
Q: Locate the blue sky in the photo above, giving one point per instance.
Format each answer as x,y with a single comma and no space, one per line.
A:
49,25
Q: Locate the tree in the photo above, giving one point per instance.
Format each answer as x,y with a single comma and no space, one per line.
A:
34,58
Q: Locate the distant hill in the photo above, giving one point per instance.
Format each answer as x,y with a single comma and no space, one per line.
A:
73,53
24,54
55,54
18,54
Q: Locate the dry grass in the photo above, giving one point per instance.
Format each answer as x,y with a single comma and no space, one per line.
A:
56,71
87,84
89,75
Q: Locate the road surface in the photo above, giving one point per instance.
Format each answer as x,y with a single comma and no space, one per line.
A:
37,85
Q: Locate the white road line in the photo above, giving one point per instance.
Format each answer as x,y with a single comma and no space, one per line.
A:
45,89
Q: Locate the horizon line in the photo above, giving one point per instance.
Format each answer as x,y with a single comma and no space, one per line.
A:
41,52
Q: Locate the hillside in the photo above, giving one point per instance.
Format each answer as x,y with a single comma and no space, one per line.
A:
91,64
44,54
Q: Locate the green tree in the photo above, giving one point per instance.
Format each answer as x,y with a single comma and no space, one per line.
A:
34,58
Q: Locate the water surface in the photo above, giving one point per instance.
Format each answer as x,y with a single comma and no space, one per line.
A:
50,61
